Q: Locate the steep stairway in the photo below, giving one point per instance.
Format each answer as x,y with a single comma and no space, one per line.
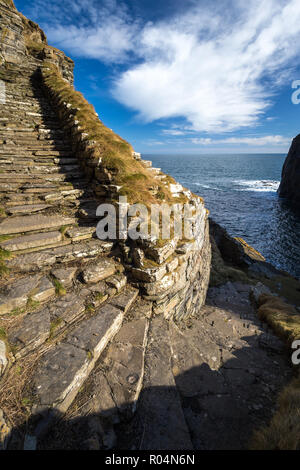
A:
63,292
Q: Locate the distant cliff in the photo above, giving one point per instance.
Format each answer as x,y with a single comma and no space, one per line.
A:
290,179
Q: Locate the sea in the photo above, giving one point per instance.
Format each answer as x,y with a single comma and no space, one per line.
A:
240,191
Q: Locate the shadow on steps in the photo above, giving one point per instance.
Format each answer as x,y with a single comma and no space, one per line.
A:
205,409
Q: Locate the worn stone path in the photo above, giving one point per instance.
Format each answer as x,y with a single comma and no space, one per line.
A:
208,383
65,294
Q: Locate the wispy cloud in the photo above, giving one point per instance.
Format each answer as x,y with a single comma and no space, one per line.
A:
269,140
173,132
103,31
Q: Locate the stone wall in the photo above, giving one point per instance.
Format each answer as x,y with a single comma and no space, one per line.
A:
175,274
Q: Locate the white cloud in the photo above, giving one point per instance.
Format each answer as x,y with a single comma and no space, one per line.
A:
102,31
153,142
215,70
201,141
217,66
173,132
269,140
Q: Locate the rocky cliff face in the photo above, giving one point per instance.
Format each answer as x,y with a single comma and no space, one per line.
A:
24,44
290,180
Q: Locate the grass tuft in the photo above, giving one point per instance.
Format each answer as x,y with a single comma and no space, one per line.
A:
282,317
283,432
59,288
54,325
2,334
32,304
63,229
4,254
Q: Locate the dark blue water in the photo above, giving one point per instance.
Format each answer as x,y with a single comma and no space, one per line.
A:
240,192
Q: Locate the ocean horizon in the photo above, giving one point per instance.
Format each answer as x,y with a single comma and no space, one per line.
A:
240,192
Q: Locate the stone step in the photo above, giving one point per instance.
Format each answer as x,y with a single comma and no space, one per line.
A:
22,224
116,382
63,242
37,240
15,294
38,189
33,143
57,315
30,135
15,178
63,370
27,209
32,262
53,153
37,167
99,271
68,170
17,160
12,200
58,196
9,187
37,327
81,233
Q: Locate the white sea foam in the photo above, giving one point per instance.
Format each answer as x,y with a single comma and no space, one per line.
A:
207,186
258,185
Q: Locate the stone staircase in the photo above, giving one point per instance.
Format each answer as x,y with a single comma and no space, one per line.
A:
63,292
68,315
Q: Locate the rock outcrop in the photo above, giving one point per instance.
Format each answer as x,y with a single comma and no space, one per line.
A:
290,180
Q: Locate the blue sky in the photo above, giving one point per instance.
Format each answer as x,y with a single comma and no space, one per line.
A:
183,76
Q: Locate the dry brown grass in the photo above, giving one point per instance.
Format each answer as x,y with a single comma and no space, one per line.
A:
4,255
15,394
9,3
283,432
284,286
282,317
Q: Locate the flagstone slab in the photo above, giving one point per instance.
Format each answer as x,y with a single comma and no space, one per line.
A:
33,222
